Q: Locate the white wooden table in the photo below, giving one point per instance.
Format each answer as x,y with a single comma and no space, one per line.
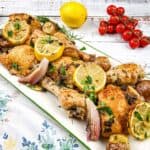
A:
111,44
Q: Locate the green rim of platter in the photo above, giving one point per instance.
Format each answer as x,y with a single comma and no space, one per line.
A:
47,113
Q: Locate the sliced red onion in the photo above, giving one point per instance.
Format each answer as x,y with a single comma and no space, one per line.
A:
93,118
37,74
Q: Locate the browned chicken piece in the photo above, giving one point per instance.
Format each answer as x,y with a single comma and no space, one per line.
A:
62,70
20,60
118,142
4,44
34,36
103,62
71,50
125,74
143,87
71,100
34,23
50,28
113,109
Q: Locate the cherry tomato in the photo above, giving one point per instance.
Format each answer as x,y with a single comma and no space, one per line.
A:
120,28
130,26
127,35
103,23
137,33
110,29
102,30
111,9
124,19
144,41
134,43
120,11
134,22
114,20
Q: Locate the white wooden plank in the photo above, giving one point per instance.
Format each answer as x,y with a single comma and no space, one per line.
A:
89,31
51,7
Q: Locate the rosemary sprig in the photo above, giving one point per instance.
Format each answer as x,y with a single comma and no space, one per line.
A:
71,36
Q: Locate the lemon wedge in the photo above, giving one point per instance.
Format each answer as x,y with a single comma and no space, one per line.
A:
73,14
139,121
90,77
49,47
16,31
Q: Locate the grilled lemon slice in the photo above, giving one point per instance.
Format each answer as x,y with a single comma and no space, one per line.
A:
49,47
16,31
89,77
139,121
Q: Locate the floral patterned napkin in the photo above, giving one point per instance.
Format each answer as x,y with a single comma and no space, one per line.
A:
24,127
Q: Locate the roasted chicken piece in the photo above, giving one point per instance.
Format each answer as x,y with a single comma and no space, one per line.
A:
125,74
4,44
77,106
103,62
71,100
71,50
34,23
20,60
34,36
113,109
62,70
118,142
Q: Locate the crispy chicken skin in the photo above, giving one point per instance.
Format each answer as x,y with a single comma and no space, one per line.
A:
71,100
113,110
103,62
4,43
34,36
69,65
20,60
125,74
35,24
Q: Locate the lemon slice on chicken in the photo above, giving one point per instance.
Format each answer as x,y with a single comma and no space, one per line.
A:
48,47
139,121
89,77
16,31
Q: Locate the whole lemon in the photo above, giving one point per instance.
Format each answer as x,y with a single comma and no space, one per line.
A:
73,14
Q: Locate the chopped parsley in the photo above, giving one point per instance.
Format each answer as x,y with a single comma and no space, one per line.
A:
51,68
87,80
10,33
63,70
105,109
83,48
93,96
138,116
15,66
17,25
42,19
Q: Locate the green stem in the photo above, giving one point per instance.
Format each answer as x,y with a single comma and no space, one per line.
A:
96,49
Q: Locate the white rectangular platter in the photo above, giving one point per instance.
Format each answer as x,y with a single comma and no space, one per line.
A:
49,104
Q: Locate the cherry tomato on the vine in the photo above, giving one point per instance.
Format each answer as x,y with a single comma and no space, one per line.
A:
111,9
120,11
127,35
111,29
102,30
137,33
144,41
114,20
134,43
120,28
